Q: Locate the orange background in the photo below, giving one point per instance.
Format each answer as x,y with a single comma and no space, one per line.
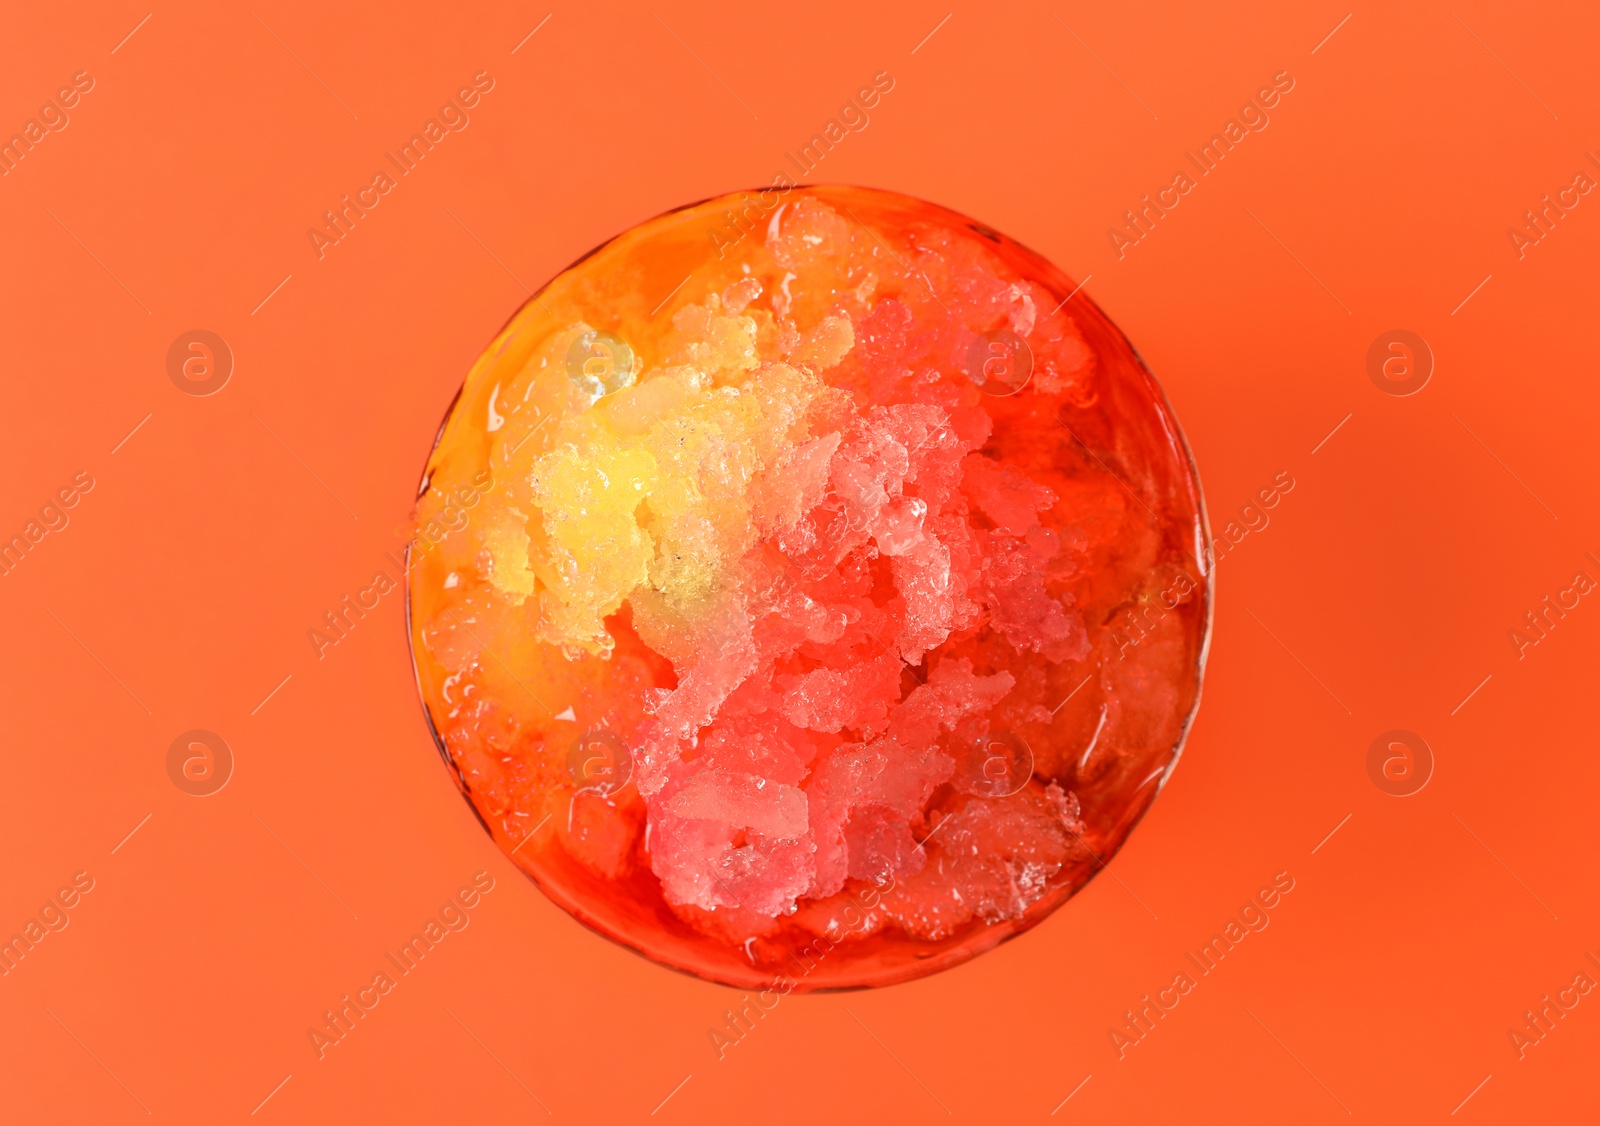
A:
219,532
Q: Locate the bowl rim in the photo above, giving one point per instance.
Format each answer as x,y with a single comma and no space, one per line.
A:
1006,930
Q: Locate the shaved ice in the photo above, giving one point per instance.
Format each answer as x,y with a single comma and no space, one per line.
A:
768,536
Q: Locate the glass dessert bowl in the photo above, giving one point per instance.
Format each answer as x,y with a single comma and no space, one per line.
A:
809,589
